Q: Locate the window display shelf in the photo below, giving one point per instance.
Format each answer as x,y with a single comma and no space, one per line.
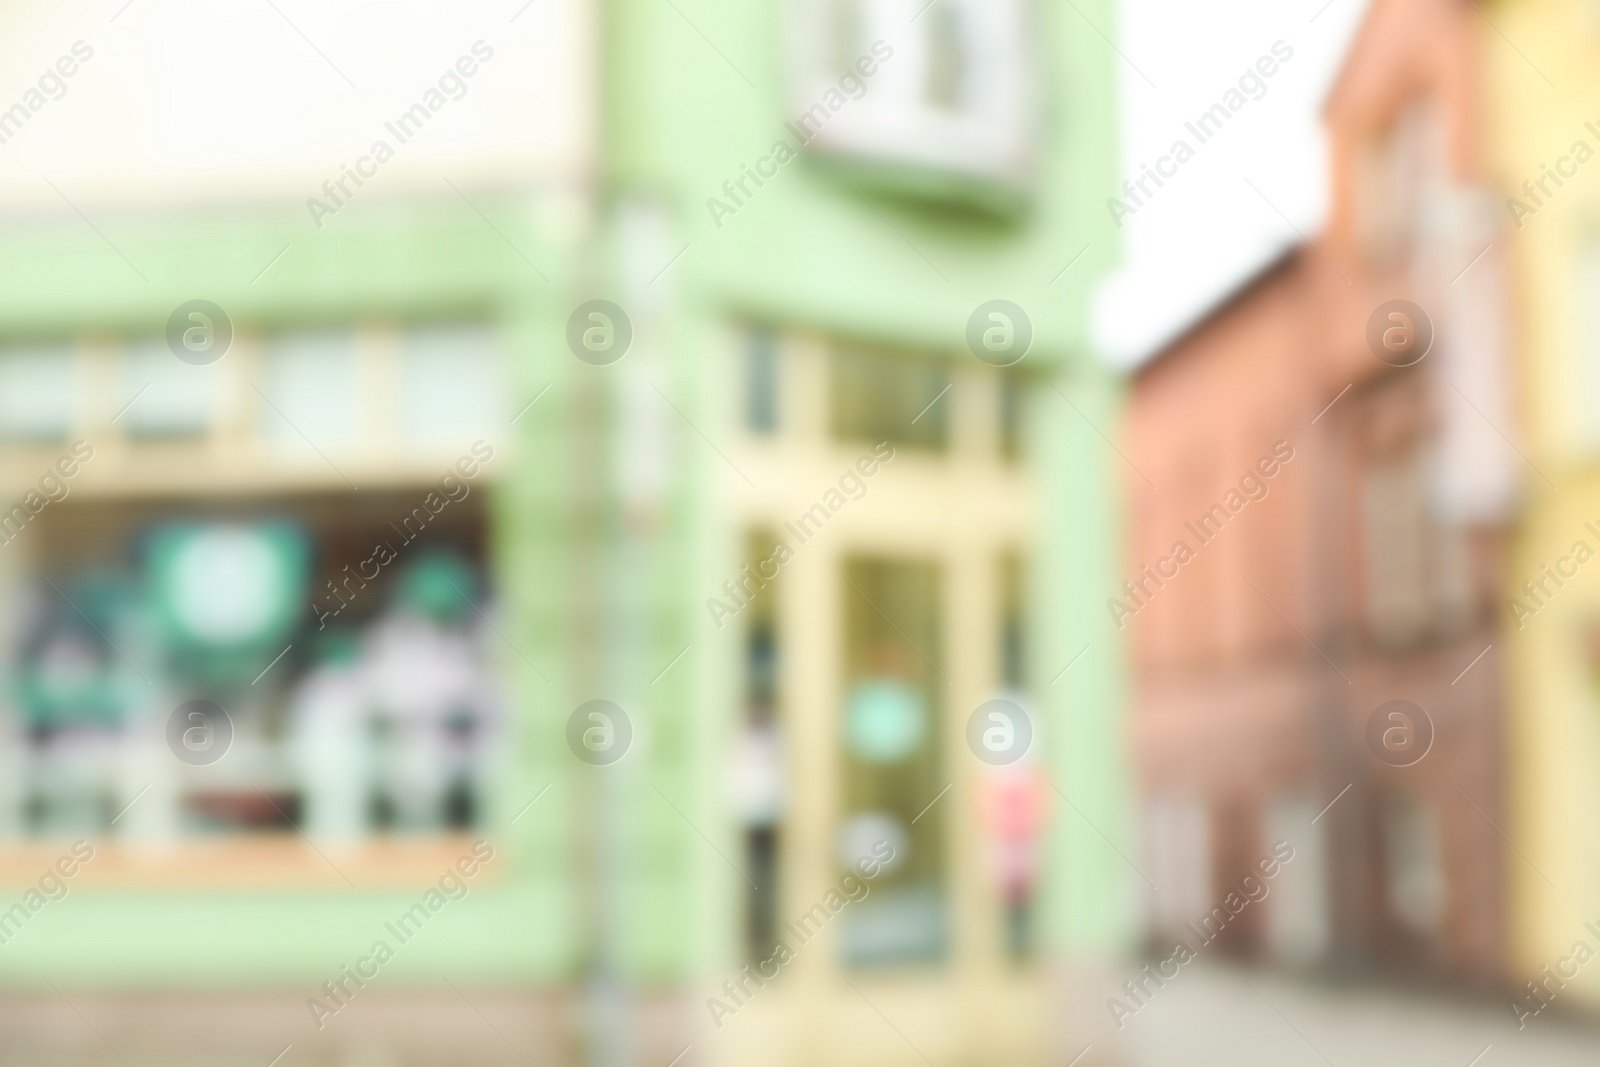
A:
262,861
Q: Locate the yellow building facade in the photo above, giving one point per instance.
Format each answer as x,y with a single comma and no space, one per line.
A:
1542,105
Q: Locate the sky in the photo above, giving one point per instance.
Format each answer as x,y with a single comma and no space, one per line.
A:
1249,190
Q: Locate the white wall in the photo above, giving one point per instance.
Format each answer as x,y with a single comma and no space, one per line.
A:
193,101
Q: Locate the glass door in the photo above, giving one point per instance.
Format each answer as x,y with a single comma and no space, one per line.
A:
891,757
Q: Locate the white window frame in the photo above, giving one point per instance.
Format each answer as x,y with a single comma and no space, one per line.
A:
992,138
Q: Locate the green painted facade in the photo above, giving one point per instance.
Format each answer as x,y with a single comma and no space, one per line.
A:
414,263
842,251
595,608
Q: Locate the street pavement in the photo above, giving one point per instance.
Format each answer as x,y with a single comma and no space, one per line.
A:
1219,1016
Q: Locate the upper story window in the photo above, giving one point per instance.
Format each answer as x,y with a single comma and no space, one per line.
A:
1395,171
1417,574
806,389
946,86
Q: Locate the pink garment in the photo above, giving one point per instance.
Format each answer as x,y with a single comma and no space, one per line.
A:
1013,810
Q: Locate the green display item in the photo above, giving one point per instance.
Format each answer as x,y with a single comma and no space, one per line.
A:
439,584
69,674
340,647
227,587
45,702
885,720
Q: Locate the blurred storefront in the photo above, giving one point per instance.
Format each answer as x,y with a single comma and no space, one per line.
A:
263,361
873,531
332,519
1343,531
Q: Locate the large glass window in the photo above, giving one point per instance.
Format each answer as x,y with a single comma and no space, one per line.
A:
324,660
323,656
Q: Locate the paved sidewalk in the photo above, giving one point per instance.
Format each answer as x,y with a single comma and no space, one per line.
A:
1223,1017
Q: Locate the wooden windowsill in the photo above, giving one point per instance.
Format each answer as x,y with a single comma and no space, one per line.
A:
275,860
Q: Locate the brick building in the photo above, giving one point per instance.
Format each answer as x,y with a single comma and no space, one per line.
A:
1343,516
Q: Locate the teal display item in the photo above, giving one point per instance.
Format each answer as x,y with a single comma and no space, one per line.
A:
224,587
440,585
885,720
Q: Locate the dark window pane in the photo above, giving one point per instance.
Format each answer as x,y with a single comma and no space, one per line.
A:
879,395
1013,390
759,771
761,383
946,71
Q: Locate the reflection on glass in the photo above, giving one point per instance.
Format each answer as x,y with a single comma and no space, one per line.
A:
892,759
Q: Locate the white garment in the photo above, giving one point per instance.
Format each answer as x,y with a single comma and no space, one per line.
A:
329,712
757,781
420,676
